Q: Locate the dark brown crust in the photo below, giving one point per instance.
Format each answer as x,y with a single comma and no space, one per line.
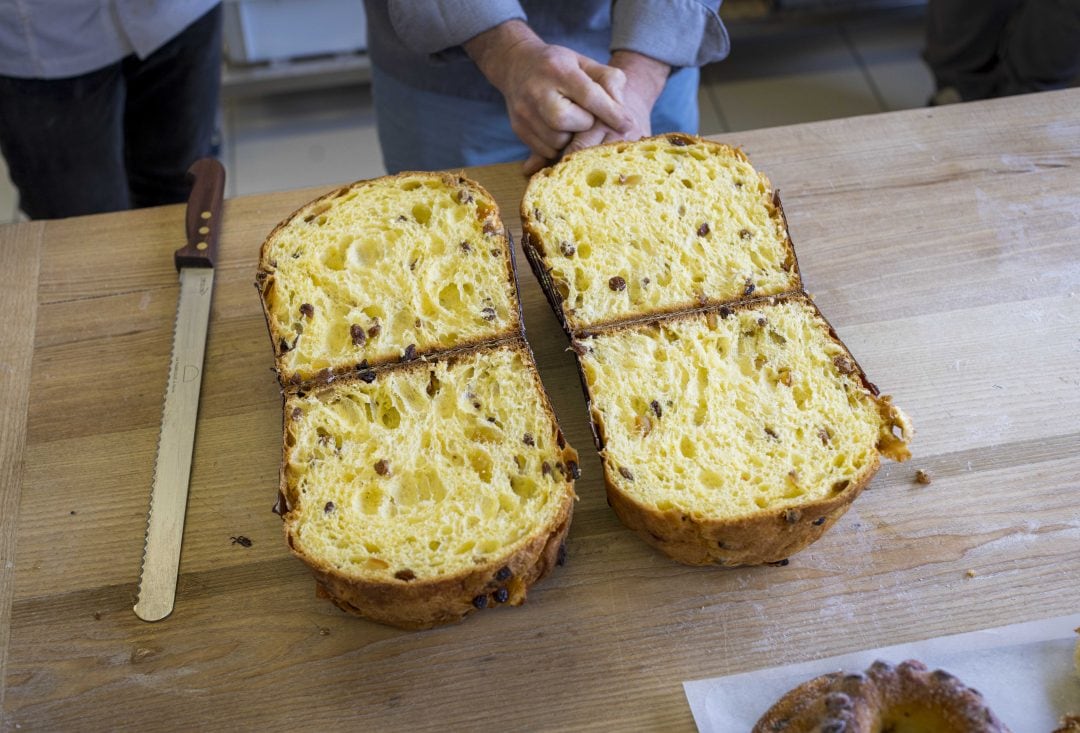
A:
424,603
536,264
264,282
768,536
535,248
418,603
870,701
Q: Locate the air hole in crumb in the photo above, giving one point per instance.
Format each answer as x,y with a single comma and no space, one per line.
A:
596,178
390,417
422,213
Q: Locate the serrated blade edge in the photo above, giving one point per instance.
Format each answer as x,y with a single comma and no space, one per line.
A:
172,470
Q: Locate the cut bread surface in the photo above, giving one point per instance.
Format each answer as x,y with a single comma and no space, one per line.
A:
424,476
384,270
421,493
427,472
734,426
667,223
724,417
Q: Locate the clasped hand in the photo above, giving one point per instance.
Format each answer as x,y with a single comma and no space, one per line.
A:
559,100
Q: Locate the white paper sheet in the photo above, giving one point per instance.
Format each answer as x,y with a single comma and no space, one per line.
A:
1025,672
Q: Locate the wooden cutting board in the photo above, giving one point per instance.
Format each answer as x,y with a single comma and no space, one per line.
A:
944,246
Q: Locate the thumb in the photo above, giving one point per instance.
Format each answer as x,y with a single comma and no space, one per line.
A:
533,164
587,139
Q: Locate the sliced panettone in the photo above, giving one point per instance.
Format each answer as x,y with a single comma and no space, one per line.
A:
734,426
736,435
432,491
387,270
664,224
424,475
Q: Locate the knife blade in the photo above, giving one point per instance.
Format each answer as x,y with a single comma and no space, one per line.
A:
172,471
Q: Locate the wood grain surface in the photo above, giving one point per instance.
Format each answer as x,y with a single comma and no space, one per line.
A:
944,246
19,259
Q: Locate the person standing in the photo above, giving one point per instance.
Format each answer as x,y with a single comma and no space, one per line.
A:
104,104
978,49
470,82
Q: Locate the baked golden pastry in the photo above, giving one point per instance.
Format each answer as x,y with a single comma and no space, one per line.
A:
734,426
424,476
905,698
743,433
435,490
387,270
664,224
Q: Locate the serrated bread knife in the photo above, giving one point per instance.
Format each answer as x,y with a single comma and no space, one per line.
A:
168,497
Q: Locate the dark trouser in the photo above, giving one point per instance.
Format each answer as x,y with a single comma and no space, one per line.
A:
116,138
990,48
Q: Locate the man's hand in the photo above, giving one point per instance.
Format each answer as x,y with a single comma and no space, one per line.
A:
645,79
551,92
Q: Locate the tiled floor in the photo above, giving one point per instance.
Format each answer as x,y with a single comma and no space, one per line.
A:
817,71
300,139
780,74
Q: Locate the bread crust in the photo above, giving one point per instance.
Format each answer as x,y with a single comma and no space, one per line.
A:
535,248
768,536
864,702
424,603
266,275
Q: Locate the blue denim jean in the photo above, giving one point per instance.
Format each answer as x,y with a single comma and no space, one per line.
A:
119,137
420,130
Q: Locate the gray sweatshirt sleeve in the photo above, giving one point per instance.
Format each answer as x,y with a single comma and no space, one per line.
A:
677,32
433,26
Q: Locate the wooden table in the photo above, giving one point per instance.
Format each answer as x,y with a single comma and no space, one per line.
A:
943,244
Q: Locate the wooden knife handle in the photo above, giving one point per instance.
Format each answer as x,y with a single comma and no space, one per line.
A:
204,206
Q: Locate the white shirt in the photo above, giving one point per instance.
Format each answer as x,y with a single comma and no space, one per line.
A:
51,39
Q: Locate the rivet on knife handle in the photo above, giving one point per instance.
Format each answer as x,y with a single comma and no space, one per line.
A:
172,470
207,178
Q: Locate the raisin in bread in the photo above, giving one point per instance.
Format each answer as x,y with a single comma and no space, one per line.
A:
734,426
386,270
424,475
665,224
737,435
436,489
